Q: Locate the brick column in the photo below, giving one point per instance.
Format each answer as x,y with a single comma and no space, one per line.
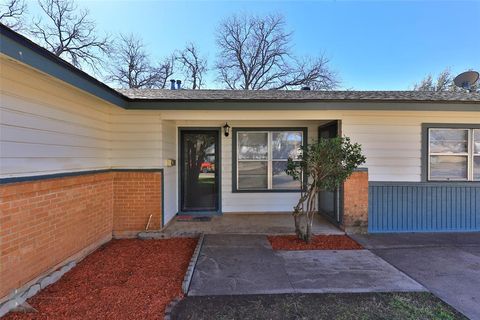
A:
355,202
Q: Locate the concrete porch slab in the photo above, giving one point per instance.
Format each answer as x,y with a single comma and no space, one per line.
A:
246,223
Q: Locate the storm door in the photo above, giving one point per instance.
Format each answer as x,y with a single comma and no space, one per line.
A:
199,168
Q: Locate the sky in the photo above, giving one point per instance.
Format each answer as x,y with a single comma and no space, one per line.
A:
372,45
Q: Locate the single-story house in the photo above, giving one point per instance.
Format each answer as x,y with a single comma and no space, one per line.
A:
81,162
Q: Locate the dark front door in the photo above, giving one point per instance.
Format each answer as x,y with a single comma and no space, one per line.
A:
199,170
329,201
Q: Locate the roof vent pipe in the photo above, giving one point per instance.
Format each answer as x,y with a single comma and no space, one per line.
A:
179,84
172,84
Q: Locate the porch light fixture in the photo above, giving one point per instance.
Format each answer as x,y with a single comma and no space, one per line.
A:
226,129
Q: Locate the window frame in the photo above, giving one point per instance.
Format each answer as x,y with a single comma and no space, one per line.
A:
269,159
426,128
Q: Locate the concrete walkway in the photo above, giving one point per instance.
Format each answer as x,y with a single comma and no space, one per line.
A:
246,264
446,264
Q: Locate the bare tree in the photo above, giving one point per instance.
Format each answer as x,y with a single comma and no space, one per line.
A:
425,85
165,70
11,14
192,65
70,34
443,82
255,53
132,67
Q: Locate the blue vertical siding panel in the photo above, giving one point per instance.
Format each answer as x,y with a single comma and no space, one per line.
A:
401,204
428,209
445,198
420,207
463,208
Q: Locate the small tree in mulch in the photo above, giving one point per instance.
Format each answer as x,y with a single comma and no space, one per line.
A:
321,166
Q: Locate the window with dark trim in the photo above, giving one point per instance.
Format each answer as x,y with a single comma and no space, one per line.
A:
260,158
453,153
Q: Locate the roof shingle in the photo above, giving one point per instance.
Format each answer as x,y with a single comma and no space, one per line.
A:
299,95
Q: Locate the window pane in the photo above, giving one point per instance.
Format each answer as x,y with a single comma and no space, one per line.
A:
286,144
280,180
448,141
252,145
448,167
476,141
252,175
476,168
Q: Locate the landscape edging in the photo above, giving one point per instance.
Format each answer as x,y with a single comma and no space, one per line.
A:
169,308
191,266
21,297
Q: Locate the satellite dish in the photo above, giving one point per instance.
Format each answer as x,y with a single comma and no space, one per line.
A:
466,79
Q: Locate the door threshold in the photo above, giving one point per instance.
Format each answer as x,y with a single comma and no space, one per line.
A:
199,213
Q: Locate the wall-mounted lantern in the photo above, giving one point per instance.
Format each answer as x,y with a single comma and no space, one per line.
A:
226,129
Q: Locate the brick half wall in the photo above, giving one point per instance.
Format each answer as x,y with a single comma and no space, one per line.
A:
137,195
355,202
46,223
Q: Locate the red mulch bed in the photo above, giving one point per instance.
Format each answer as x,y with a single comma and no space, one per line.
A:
320,242
125,279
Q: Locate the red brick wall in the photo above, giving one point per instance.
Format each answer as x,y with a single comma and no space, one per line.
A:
137,195
355,205
45,222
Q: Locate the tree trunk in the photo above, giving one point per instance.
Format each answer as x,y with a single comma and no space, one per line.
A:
297,224
303,214
308,233
310,213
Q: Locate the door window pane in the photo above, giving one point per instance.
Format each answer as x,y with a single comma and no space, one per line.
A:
252,145
448,141
252,175
448,167
286,144
280,179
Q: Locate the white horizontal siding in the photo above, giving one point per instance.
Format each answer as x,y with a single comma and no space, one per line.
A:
136,139
66,125
392,141
39,166
169,145
32,86
29,135
48,127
